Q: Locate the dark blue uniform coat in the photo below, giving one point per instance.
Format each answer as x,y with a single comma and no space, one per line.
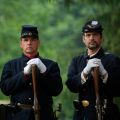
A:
86,91
19,87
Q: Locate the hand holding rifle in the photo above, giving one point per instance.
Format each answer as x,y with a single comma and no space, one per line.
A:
98,70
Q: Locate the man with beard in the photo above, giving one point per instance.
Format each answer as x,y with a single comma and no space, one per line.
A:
81,79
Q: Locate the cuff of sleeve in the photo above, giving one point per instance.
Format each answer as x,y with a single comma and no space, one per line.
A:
83,79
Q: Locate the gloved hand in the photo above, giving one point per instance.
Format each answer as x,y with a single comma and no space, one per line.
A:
91,64
103,72
39,64
102,69
27,69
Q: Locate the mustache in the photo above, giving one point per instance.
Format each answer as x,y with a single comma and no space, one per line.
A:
93,42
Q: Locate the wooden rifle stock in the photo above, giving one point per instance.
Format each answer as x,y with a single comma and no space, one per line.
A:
96,86
36,103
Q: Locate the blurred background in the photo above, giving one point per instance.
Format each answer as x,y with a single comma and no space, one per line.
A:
59,23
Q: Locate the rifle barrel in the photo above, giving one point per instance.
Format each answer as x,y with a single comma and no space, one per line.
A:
96,80
36,103
96,86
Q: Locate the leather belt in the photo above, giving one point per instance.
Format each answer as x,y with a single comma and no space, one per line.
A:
24,106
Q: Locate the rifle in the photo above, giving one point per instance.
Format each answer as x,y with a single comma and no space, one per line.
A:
98,106
36,105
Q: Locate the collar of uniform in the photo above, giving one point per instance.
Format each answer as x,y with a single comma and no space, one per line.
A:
26,58
99,54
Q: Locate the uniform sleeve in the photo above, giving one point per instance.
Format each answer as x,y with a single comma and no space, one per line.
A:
73,77
51,80
11,82
113,82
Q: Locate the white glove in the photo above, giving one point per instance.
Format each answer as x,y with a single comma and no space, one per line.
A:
102,69
91,64
83,78
39,64
27,69
103,72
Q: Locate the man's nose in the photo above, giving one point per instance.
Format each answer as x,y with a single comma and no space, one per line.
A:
91,36
29,41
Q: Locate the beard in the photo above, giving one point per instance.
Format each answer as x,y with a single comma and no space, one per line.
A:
93,46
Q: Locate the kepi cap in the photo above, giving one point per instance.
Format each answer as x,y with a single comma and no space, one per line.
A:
29,30
92,26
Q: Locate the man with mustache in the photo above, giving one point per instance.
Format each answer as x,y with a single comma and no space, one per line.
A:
81,80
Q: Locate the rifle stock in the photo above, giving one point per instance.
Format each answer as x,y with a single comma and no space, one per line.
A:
96,86
36,106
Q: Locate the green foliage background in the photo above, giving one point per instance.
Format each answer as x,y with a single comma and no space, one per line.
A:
59,23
